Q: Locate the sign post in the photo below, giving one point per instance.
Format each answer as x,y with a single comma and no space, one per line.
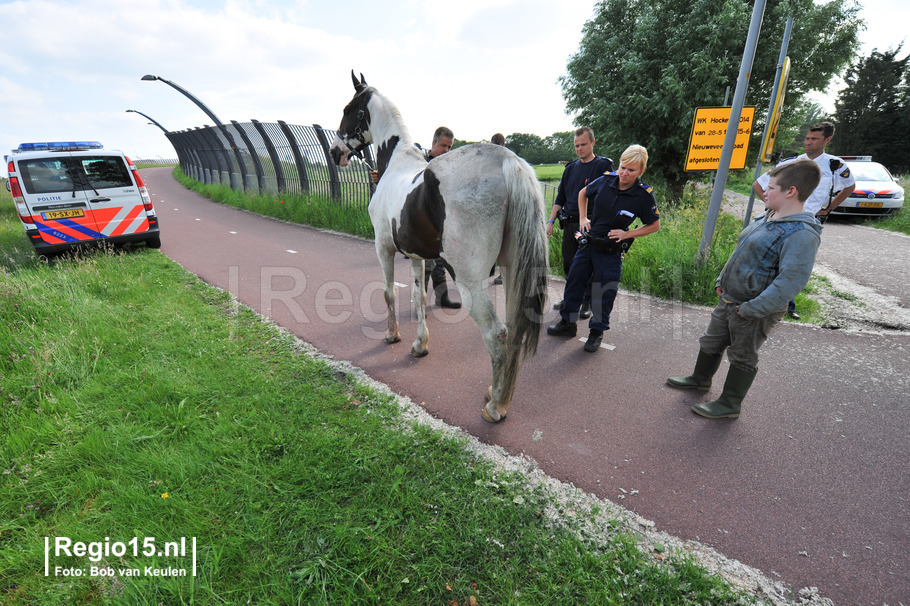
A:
774,111
742,83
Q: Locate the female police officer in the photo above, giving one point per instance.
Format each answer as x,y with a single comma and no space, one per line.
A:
618,199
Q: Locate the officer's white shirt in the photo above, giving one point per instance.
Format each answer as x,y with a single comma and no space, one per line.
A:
842,178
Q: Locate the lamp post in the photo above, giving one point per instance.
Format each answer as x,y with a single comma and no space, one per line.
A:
181,157
155,122
224,130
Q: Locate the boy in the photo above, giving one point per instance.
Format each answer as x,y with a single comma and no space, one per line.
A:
771,264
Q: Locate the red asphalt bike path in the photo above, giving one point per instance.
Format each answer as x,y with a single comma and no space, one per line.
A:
809,485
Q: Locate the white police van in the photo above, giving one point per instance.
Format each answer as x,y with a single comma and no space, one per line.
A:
70,193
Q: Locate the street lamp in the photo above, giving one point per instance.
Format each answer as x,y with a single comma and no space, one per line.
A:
155,122
188,95
224,130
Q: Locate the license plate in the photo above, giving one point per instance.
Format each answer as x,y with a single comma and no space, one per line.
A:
870,204
63,214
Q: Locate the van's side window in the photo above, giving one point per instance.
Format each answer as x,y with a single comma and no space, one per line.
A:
106,171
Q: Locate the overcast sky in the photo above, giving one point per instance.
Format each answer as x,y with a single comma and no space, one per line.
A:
69,69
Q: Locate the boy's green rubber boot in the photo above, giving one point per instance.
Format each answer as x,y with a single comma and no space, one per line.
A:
705,367
728,405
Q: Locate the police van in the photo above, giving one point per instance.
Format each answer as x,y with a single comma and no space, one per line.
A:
70,193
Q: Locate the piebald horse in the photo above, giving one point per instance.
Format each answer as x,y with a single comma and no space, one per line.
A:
471,207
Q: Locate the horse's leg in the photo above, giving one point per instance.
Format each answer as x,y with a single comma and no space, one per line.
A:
387,264
419,298
495,334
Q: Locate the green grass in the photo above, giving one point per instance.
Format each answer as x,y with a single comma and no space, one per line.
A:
295,208
549,173
136,401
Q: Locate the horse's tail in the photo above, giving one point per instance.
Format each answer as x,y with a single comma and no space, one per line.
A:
527,251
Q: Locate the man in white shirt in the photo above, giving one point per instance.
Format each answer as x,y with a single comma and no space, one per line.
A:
836,184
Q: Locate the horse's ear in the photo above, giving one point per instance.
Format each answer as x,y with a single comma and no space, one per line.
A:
358,85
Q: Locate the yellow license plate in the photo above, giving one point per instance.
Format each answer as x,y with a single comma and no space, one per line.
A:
870,204
63,214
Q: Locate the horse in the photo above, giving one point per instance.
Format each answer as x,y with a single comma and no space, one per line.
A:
472,207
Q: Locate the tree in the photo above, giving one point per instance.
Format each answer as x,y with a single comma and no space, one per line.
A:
643,66
528,146
871,112
561,147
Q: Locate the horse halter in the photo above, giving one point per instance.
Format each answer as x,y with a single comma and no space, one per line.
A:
358,130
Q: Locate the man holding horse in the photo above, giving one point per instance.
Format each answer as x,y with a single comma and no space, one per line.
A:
618,199
576,175
443,139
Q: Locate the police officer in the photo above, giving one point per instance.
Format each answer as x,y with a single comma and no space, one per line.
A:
576,175
618,199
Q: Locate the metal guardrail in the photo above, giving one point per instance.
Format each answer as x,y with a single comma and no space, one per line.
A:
276,158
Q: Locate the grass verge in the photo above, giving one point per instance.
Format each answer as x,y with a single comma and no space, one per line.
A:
138,402
294,208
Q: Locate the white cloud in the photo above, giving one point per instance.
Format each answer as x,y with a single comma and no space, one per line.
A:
72,67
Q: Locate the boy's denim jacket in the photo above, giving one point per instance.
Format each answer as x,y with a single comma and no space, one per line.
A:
771,264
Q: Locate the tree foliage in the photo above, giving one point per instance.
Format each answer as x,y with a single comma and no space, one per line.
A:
643,66
873,111
558,147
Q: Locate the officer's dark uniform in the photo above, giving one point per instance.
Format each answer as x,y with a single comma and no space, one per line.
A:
600,261
576,176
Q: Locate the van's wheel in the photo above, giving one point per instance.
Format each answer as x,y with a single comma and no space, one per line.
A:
154,242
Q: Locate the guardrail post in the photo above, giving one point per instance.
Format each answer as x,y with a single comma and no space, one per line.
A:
206,161
273,155
257,165
219,152
302,176
334,180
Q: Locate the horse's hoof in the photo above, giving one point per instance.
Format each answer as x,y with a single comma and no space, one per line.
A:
489,394
489,419
419,353
392,339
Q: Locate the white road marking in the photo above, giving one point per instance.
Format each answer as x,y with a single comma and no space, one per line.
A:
603,345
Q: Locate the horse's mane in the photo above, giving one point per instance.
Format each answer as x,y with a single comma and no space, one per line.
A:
393,122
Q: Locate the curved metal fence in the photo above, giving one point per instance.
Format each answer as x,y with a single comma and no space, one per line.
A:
277,157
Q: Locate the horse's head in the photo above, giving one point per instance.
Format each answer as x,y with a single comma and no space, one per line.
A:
354,131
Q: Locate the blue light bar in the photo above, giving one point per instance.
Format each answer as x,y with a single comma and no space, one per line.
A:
59,146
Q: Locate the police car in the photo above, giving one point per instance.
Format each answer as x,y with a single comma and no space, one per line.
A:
877,193
70,193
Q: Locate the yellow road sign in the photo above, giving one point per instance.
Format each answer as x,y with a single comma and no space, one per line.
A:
709,129
774,121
